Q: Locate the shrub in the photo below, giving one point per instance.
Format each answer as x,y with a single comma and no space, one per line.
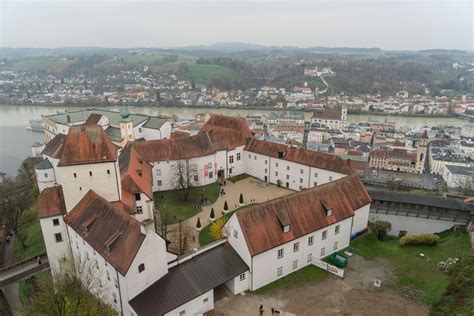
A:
380,229
216,228
212,216
241,199
198,224
419,240
226,207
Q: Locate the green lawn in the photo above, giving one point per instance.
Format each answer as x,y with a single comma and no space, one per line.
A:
33,238
239,177
34,64
171,203
23,290
413,271
205,73
308,274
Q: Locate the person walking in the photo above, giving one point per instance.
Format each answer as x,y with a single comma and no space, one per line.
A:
260,310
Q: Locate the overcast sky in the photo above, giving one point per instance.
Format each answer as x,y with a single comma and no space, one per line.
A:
391,25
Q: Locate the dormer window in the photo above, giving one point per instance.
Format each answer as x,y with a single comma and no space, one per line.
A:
286,228
281,154
327,207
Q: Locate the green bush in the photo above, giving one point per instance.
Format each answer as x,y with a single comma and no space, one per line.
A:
419,240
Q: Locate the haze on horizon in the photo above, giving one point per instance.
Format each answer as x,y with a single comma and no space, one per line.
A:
389,25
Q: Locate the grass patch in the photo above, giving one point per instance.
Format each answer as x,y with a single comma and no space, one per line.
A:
171,204
308,274
32,235
23,290
31,64
239,177
206,73
413,271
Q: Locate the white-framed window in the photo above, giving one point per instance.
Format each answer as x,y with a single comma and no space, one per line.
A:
310,257
211,175
280,253
323,251
296,246
301,180
58,237
196,178
139,210
301,171
242,277
337,229
55,222
295,264
238,156
310,240
280,271
286,228
209,165
334,247
231,159
159,183
315,174
325,234
158,172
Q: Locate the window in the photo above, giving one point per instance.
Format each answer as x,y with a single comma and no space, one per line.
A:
255,157
280,253
323,251
301,180
266,170
276,173
242,277
325,234
139,210
108,275
236,234
58,237
115,298
45,175
116,283
337,229
286,228
158,172
295,264
315,184
196,178
279,271
287,167
315,174
159,183
330,179
96,264
238,156
310,257
90,173
250,156
141,268
310,240
296,246
108,171
209,165
75,175
287,177
334,247
80,188
276,164
55,222
231,159
301,171
204,301
139,129
137,197
211,175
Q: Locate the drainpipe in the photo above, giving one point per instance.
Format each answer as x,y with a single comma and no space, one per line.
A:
120,292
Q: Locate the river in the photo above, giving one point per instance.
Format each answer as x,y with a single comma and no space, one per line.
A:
15,140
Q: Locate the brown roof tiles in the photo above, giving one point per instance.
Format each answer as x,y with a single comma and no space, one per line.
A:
98,221
394,153
93,119
304,211
54,148
51,202
306,157
222,123
87,144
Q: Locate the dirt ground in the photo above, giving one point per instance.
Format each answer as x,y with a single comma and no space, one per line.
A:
353,295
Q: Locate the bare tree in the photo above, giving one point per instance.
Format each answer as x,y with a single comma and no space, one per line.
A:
181,237
184,176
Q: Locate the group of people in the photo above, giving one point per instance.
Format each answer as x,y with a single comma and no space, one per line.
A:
273,310
221,189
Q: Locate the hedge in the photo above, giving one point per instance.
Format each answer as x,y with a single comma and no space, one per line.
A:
418,240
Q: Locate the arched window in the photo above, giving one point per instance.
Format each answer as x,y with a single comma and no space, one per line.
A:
141,268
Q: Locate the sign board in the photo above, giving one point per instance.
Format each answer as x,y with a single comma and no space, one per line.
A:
328,267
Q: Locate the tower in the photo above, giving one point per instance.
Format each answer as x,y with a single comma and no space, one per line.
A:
421,152
343,115
126,125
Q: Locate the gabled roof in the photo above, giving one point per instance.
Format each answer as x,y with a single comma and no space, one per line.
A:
87,144
221,123
304,211
155,122
306,157
93,119
51,202
327,114
227,141
54,148
99,222
135,175
44,165
175,148
188,280
394,153
114,134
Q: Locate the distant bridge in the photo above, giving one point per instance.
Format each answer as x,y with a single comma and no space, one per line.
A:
23,269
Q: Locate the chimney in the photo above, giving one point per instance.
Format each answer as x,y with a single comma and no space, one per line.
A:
68,118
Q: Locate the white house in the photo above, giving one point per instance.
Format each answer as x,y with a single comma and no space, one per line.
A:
278,237
459,176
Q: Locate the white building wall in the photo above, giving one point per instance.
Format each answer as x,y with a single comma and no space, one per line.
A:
58,251
361,217
265,265
239,284
237,166
106,184
201,304
413,225
147,208
151,133
45,178
237,240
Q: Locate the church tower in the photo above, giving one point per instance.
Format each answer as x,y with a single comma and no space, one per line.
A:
422,152
126,125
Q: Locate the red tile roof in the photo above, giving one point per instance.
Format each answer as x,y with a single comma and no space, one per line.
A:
87,144
306,157
394,153
51,202
221,123
135,175
304,211
327,115
424,135
54,148
108,228
227,141
173,149
93,119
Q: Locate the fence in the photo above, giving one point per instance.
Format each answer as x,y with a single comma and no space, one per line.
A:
328,267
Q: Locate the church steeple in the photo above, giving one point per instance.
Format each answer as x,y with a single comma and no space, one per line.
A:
126,124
